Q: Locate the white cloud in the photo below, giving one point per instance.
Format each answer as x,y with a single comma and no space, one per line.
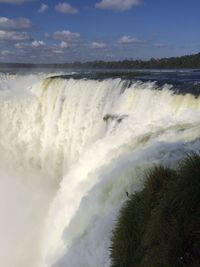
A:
14,36
14,24
43,8
98,45
129,40
38,43
34,44
57,51
5,53
64,44
120,5
14,1
66,36
19,45
66,8
47,35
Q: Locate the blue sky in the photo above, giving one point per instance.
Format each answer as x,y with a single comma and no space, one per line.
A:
81,30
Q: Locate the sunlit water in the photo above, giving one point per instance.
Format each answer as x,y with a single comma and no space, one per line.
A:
70,149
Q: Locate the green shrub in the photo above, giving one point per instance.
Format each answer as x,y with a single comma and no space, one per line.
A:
160,226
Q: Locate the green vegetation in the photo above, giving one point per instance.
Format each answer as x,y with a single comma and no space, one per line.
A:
188,61
160,226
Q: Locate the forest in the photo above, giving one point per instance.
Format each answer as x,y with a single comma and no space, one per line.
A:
187,61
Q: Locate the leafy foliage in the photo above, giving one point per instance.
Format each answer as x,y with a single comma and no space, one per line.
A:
160,226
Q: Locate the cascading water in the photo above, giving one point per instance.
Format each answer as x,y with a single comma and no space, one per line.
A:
70,149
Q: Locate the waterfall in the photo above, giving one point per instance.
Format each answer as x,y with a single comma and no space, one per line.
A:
79,145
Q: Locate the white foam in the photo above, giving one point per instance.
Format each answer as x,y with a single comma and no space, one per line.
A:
54,137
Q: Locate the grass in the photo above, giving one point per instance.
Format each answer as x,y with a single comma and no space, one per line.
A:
160,226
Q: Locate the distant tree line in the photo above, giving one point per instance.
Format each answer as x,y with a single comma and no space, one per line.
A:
188,61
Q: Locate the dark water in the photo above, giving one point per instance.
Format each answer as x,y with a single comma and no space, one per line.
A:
183,81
